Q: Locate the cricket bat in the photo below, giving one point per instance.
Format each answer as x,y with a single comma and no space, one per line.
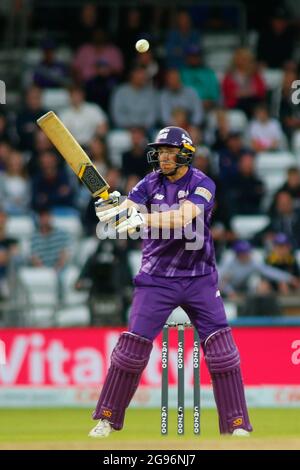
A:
74,154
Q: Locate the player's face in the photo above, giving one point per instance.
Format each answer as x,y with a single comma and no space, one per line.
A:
167,158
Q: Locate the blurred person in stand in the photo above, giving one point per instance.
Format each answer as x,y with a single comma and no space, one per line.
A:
289,113
15,186
179,39
237,274
8,253
243,86
284,219
175,95
50,246
84,26
134,161
276,43
26,118
50,72
201,78
291,186
265,133
135,103
281,256
51,186
99,88
101,48
247,190
83,119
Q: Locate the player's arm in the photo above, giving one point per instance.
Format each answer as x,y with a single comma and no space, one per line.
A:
174,218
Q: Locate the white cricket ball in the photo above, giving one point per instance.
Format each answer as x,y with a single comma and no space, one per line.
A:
142,45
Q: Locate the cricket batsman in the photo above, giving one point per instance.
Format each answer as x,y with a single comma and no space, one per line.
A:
176,196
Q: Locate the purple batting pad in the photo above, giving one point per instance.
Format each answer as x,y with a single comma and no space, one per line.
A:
223,361
128,360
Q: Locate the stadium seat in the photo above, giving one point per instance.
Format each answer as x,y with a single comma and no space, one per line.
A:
73,316
220,40
70,224
237,120
55,99
71,296
135,259
273,78
247,225
118,141
274,162
20,227
219,59
38,288
85,248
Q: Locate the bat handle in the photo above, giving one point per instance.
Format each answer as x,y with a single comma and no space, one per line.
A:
104,195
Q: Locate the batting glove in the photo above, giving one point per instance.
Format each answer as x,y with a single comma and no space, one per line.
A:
129,220
107,209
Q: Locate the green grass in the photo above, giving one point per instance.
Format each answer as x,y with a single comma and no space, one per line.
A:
68,428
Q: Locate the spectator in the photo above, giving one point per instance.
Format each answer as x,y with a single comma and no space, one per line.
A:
201,78
4,128
175,96
284,220
26,118
229,157
49,245
148,62
247,190
131,30
134,162
243,86
265,133
41,144
98,154
8,252
50,73
276,43
100,49
83,119
135,103
220,130
237,275
5,152
99,88
292,186
84,27
179,39
289,113
14,186
282,257
51,186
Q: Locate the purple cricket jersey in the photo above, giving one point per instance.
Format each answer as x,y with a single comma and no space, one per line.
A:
170,257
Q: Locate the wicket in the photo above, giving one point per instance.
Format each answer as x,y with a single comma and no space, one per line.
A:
180,380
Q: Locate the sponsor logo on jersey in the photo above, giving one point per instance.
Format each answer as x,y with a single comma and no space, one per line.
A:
159,196
218,293
200,191
182,193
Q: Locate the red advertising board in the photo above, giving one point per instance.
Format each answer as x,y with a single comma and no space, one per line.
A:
80,356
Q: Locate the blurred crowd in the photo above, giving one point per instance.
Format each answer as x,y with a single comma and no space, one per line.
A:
112,90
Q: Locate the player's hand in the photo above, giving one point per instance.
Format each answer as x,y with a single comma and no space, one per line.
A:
129,220
107,209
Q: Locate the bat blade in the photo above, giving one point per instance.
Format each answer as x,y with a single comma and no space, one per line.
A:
74,154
